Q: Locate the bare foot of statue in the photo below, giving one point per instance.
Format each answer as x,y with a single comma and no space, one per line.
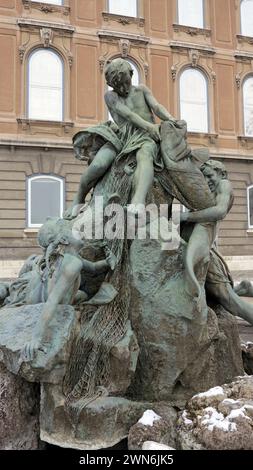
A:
30,349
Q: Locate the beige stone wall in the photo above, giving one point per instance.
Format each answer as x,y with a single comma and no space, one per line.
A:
86,36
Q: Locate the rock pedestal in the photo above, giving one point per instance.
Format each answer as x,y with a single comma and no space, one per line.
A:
219,419
19,412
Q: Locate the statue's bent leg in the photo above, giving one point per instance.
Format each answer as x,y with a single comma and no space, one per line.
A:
64,289
225,295
197,252
95,170
144,173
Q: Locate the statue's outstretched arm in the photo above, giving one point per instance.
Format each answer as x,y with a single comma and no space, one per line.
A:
159,110
215,213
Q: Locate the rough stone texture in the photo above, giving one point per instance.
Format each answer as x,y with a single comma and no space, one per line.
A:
152,427
151,445
19,412
123,360
180,353
247,357
102,423
17,325
219,419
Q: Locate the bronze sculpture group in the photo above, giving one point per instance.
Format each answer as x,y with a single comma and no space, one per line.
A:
126,158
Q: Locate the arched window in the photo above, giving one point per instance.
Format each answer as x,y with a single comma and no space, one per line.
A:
250,206
123,7
44,199
45,86
247,17
194,100
248,106
191,13
135,81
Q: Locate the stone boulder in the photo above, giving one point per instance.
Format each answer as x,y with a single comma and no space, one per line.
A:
219,419
184,348
247,357
17,325
19,412
151,427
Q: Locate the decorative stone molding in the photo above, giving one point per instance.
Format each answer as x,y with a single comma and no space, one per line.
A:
210,136
122,19
46,35
194,57
30,25
26,124
242,56
246,141
173,72
102,61
21,52
213,76
46,7
242,39
70,59
115,36
192,31
124,47
146,69
185,46
238,80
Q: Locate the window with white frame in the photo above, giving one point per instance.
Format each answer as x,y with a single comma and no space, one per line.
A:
123,7
53,2
45,198
193,93
45,85
135,81
247,17
250,206
248,106
191,13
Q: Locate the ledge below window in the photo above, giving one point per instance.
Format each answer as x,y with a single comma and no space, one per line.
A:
191,30
31,232
250,232
122,19
212,137
26,124
246,141
247,39
46,7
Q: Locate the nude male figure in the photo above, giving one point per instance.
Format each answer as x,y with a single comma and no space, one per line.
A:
205,229
218,281
133,109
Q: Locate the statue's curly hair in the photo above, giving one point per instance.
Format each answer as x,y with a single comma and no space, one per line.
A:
115,69
217,166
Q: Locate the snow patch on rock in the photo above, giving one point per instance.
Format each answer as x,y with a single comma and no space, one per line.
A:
148,418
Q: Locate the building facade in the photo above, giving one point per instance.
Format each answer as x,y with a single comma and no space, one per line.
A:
195,55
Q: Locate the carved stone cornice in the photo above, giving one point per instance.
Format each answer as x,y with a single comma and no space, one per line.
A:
46,7
247,39
124,20
187,46
115,36
242,56
26,124
192,31
30,25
